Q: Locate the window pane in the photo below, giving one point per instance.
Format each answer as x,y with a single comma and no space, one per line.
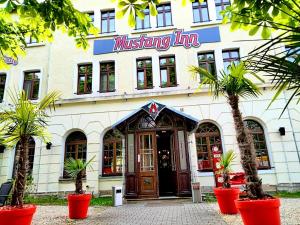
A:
138,23
164,78
104,26
168,19
112,82
218,10
234,54
103,82
147,21
160,20
149,78
196,15
81,84
35,94
204,13
172,76
141,81
89,84
112,25
163,61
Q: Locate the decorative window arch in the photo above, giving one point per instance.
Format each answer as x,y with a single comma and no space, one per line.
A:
208,136
75,147
259,139
31,152
112,154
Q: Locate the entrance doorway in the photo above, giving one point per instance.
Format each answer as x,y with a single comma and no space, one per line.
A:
166,163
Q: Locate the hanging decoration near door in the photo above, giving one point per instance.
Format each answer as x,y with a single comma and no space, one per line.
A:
153,109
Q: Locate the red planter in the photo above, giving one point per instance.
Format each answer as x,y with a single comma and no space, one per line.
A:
78,205
257,212
226,198
17,216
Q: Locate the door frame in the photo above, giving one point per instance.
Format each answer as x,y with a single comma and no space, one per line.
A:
139,173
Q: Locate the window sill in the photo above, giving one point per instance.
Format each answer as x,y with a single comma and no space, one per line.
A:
112,34
35,45
68,180
151,30
112,177
209,23
266,171
205,174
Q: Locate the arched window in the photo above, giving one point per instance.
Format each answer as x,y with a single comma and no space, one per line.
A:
112,153
75,147
257,132
207,137
31,152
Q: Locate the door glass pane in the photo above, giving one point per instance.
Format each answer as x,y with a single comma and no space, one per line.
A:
130,147
146,153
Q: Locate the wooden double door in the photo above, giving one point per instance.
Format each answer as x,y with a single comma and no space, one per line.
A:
161,165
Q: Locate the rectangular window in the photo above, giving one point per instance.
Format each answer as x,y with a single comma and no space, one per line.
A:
221,5
30,40
108,21
164,16
207,61
31,84
145,23
200,11
85,73
230,56
144,73
91,15
2,85
107,77
167,72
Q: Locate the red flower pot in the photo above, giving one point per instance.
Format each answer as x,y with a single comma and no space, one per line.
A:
78,205
16,216
226,198
257,212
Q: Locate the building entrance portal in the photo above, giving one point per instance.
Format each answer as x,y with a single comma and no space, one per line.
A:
166,163
157,158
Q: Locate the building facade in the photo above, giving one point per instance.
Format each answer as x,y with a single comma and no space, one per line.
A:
130,101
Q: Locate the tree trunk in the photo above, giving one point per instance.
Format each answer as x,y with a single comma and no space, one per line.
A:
247,150
78,183
21,173
226,183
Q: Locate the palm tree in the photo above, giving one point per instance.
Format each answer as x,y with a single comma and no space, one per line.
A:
233,85
22,120
76,168
225,163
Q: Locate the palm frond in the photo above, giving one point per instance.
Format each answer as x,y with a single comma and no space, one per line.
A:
74,166
227,160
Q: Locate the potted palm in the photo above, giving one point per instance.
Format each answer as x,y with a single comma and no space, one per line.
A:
78,202
18,123
258,207
226,195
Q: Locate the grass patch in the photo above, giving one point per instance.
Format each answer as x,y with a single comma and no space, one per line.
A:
54,200
285,194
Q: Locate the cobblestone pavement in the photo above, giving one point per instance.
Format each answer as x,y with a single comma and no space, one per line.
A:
159,212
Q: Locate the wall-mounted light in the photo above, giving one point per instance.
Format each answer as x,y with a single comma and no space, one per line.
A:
48,145
282,131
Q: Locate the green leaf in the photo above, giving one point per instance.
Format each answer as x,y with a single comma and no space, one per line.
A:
152,8
266,32
254,30
131,18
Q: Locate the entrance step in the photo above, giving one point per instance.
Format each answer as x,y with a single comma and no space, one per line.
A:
158,199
